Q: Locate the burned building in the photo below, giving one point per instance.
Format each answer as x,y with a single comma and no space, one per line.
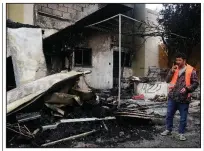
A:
63,61
74,46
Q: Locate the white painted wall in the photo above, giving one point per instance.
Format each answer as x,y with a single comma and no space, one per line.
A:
48,32
28,14
102,62
151,45
102,59
127,72
138,63
25,45
149,91
151,53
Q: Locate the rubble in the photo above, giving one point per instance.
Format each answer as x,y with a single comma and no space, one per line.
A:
121,134
70,138
132,106
84,94
54,126
195,104
50,99
63,98
159,98
54,108
196,94
62,111
85,145
105,126
28,92
22,130
27,116
138,97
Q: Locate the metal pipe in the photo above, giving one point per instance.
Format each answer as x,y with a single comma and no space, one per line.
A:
119,78
70,138
103,21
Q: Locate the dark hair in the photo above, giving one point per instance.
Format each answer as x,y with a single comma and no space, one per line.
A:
181,55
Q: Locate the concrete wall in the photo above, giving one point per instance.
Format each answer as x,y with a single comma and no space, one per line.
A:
48,32
146,54
53,17
59,16
151,45
102,62
22,13
29,14
138,63
102,59
150,90
15,12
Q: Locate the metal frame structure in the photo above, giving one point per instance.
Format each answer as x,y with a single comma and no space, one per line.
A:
119,30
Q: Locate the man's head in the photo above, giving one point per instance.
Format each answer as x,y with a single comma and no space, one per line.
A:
180,59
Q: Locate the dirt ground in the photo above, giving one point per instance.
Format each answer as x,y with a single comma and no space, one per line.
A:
147,136
127,133
122,133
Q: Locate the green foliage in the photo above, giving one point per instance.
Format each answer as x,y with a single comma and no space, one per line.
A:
183,20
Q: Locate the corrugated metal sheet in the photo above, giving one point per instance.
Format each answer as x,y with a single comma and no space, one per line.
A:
27,92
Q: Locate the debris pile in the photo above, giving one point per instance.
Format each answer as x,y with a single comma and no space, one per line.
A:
55,109
44,111
159,98
138,97
49,102
134,113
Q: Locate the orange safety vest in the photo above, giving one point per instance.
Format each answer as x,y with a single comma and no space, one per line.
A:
189,70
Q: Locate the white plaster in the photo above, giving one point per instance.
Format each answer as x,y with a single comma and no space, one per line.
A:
152,43
49,32
28,14
102,63
149,91
25,45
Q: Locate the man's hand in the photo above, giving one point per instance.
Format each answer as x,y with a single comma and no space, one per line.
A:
174,67
183,90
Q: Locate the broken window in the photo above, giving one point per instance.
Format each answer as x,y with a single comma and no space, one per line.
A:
83,57
125,58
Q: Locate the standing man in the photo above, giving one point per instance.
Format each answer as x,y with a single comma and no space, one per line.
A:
183,80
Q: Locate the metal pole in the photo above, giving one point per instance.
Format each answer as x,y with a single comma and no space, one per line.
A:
133,19
102,21
119,80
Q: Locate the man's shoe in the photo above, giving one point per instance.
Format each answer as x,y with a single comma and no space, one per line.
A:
166,132
182,137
